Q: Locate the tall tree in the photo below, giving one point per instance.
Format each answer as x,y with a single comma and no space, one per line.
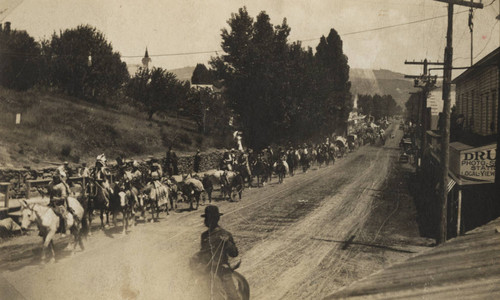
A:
378,106
335,88
201,75
157,90
19,59
84,64
278,90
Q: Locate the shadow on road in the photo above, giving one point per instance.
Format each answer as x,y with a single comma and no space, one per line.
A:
23,255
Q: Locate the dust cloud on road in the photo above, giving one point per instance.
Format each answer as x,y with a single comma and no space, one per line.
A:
292,240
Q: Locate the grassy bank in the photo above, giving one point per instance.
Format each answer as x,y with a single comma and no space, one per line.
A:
55,128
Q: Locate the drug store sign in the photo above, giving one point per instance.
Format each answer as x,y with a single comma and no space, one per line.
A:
473,165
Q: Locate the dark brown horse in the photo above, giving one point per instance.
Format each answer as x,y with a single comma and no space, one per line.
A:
260,169
99,198
235,183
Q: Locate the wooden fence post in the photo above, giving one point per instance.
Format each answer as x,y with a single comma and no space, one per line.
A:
28,188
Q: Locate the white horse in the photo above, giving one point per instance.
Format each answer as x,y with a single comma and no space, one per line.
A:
48,223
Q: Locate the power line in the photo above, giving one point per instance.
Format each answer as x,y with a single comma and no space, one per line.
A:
11,10
172,54
303,40
389,26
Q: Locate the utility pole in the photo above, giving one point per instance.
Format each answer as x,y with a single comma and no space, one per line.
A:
471,29
445,131
497,161
428,82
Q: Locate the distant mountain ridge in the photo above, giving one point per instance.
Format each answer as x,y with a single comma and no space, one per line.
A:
364,81
183,74
382,82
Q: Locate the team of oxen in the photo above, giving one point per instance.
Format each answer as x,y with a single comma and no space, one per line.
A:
154,194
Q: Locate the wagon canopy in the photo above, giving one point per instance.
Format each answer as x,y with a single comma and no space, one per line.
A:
340,141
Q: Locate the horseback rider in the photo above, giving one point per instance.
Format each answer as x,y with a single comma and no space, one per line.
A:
217,245
121,167
63,173
135,175
101,174
155,168
234,157
227,160
132,180
58,192
101,171
84,171
270,153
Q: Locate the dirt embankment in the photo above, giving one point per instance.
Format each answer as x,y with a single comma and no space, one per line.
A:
52,127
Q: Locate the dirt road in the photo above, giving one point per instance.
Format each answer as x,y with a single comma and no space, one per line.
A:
292,240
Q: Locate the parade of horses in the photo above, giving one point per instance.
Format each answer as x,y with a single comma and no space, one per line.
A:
236,150
129,191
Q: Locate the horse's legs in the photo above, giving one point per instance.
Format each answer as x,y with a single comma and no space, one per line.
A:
46,243
173,203
80,241
90,212
125,220
152,206
113,217
76,235
107,217
101,215
52,251
44,247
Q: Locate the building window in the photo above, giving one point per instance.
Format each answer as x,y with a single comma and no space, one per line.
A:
487,115
473,112
494,110
466,110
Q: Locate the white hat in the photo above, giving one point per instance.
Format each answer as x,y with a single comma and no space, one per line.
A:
101,158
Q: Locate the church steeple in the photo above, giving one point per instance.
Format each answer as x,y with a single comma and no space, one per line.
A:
146,59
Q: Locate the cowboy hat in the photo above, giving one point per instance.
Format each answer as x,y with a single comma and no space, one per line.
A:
211,210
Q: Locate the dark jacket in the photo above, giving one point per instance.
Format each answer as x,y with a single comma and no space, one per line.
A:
215,251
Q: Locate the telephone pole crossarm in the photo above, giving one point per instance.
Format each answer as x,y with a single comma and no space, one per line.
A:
463,3
423,62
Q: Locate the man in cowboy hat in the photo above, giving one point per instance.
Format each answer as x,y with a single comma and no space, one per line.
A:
217,245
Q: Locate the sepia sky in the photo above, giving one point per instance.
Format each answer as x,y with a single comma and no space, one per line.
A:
184,26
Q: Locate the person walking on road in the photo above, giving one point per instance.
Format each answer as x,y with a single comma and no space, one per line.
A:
197,161
171,162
